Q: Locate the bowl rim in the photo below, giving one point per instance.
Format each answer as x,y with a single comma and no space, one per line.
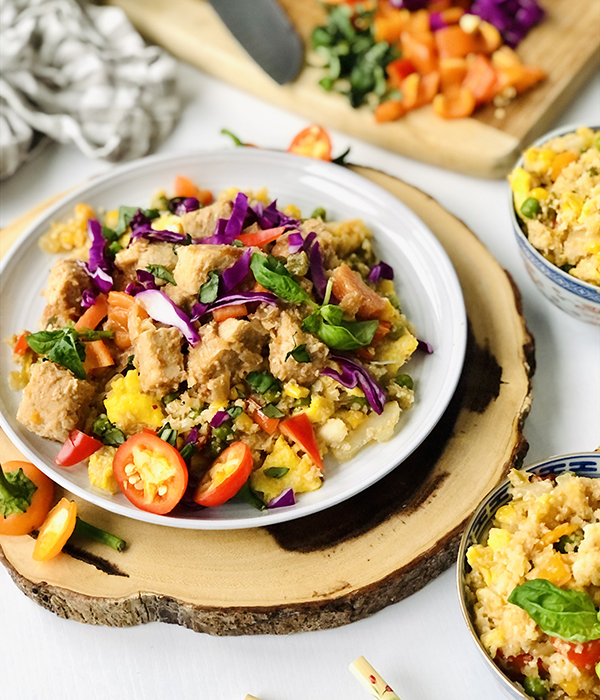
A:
506,683
523,239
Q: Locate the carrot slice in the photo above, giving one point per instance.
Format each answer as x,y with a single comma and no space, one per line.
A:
399,69
346,281
93,314
389,111
389,23
184,187
452,72
410,91
453,42
421,50
452,15
456,103
97,356
481,79
233,311
428,87
119,305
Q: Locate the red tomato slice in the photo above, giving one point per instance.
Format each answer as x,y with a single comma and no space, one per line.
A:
77,447
151,473
260,238
228,473
299,428
585,656
34,516
312,142
21,346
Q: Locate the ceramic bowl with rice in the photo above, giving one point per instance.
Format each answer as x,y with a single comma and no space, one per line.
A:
555,212
529,579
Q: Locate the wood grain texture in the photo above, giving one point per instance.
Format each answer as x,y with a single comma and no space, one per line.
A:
566,45
345,563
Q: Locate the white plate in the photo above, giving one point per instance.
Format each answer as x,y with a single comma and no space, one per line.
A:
425,281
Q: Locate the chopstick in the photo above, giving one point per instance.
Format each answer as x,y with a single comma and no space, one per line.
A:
371,680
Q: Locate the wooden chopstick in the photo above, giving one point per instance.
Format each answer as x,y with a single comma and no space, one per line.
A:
371,680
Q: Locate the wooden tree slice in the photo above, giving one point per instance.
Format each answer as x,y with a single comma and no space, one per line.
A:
344,563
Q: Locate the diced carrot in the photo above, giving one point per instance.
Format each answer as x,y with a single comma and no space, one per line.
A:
505,57
439,5
428,87
481,79
389,111
346,281
94,314
184,187
233,311
559,162
419,23
389,23
453,42
410,91
421,50
452,72
120,300
520,77
21,346
489,38
398,70
452,15
97,356
457,102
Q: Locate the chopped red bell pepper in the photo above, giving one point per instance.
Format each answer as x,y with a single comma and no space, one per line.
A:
261,238
77,447
300,430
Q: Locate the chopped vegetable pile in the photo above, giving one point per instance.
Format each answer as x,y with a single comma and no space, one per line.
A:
199,350
399,55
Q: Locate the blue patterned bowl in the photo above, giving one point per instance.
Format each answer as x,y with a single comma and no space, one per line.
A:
579,299
582,464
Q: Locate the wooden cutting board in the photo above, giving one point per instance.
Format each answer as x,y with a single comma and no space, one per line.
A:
346,562
566,45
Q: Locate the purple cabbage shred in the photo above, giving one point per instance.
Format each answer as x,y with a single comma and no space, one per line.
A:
182,205
219,418
512,18
380,271
424,346
88,298
234,275
162,309
99,267
353,374
285,498
317,271
146,231
145,281
198,310
295,242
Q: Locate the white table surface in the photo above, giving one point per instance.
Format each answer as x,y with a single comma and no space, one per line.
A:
419,645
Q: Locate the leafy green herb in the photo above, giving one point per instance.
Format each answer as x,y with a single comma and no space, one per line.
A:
575,540
262,381
162,273
234,412
233,137
328,324
127,213
405,380
570,615
108,433
16,492
224,431
237,243
62,347
247,495
210,289
276,472
110,234
114,248
188,451
168,434
272,275
87,334
299,353
272,411
129,365
535,687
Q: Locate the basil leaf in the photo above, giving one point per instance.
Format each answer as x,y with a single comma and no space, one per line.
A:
272,411
299,353
276,472
43,341
272,275
247,495
570,615
127,213
68,352
210,289
110,234
162,273
108,433
234,412
328,325
16,492
168,434
261,381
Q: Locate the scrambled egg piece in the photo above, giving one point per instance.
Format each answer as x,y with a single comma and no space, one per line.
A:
129,408
100,469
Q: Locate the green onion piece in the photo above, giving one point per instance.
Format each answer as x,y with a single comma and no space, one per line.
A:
276,472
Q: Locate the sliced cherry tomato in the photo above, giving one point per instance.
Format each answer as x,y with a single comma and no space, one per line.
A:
21,346
33,517
312,142
585,656
151,473
228,473
269,425
261,238
77,447
299,428
56,530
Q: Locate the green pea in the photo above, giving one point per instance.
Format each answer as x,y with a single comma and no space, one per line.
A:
319,212
530,208
273,394
223,431
405,380
535,687
326,83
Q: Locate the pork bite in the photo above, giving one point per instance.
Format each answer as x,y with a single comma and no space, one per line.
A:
159,360
66,283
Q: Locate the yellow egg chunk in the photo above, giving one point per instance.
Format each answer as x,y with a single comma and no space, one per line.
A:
129,408
168,222
396,352
100,469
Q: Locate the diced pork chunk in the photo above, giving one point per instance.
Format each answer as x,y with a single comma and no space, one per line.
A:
66,283
288,336
196,261
355,296
142,253
159,360
228,351
54,402
202,222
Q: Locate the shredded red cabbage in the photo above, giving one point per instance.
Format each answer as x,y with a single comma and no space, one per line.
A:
236,273
182,205
308,241
88,298
285,498
198,310
146,231
99,267
380,271
162,309
412,5
145,281
271,217
317,271
219,418
192,436
436,21
353,374
424,346
295,242
512,18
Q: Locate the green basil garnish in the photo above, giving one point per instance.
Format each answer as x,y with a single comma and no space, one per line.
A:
247,495
127,213
162,273
328,324
108,433
299,353
276,472
272,411
16,492
570,615
272,275
61,347
261,382
210,289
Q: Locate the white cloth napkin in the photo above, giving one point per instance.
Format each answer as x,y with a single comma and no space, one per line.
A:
80,74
